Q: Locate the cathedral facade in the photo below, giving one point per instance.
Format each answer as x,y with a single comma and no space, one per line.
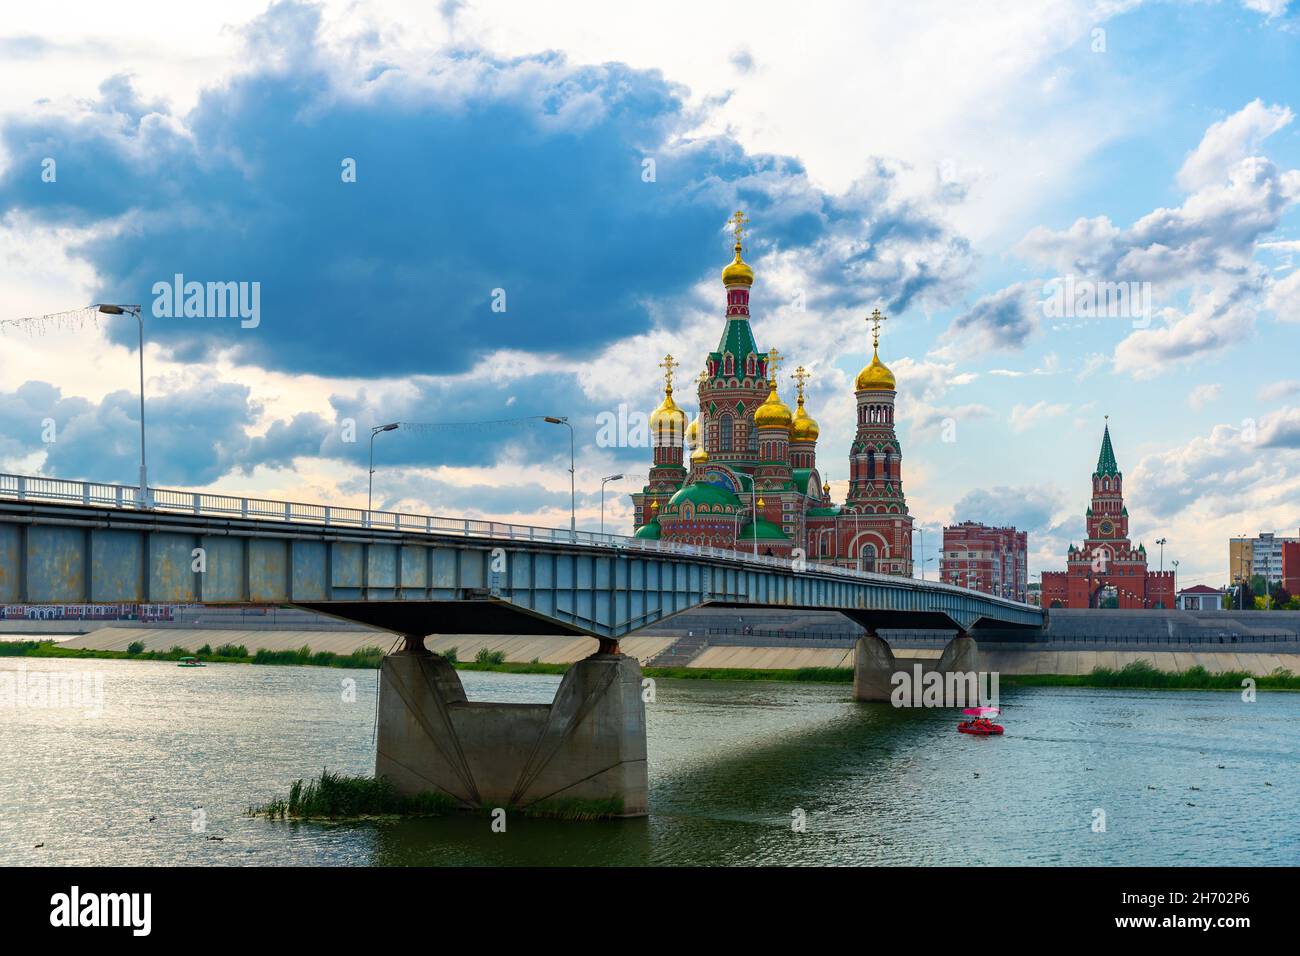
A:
743,473
1106,567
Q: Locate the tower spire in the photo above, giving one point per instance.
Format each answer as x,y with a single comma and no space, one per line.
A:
1106,464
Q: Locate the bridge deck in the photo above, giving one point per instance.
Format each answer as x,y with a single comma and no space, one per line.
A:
75,542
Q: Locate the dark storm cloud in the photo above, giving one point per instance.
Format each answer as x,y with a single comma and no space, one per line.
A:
195,434
484,173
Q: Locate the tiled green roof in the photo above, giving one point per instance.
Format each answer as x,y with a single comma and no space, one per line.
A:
1106,460
738,339
650,529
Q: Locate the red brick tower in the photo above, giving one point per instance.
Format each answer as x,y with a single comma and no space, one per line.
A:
1107,565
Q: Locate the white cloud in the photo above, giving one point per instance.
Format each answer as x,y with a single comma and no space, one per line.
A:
1284,298
1203,395
1024,417
1276,391
1229,141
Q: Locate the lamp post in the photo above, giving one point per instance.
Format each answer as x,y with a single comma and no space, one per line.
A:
602,499
573,495
370,492
143,498
753,498
1162,542
1175,565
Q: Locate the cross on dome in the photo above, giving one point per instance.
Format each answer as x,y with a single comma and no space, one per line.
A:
668,364
774,360
801,375
739,222
875,319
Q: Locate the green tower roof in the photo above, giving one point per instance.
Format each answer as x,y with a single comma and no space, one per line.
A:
1106,460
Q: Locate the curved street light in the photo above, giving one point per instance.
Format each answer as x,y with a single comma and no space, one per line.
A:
370,491
573,497
143,498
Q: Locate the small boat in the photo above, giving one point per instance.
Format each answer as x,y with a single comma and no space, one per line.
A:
980,725
191,662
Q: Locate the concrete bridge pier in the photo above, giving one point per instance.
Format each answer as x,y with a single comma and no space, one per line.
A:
584,752
874,664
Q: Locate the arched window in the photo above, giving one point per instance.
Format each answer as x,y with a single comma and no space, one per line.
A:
888,460
753,436
725,424
871,465
728,365
867,558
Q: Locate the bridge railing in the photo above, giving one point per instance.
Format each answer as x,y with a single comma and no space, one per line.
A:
126,497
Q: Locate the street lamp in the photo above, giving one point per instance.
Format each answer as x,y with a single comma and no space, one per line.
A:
602,499
142,498
1162,542
573,496
370,493
753,498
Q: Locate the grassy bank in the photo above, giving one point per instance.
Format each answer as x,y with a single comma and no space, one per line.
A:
366,657
337,797
1141,674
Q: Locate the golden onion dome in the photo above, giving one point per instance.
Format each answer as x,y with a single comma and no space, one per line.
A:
693,432
668,416
876,376
738,273
773,413
699,456
805,426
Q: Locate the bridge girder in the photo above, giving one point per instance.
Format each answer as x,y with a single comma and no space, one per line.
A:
426,583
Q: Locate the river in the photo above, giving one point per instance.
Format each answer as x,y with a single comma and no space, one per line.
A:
175,756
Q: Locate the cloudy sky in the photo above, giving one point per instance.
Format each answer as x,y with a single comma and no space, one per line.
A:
965,167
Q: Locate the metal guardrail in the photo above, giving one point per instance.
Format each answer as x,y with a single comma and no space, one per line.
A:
125,497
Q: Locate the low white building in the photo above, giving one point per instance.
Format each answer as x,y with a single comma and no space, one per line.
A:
1200,598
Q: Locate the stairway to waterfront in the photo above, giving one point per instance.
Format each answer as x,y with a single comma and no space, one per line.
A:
680,652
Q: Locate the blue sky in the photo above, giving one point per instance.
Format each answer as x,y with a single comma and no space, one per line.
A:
945,164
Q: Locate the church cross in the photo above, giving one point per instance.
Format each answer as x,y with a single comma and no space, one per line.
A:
774,359
875,319
801,375
668,364
741,221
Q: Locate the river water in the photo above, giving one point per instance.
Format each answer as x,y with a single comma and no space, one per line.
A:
176,756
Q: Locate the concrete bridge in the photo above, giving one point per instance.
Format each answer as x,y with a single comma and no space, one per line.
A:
416,575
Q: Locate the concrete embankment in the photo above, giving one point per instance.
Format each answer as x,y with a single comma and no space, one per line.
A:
1011,659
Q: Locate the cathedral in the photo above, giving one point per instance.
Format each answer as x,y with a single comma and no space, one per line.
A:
1107,566
743,473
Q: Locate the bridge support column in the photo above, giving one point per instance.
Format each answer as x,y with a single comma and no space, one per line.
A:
584,752
873,666
960,654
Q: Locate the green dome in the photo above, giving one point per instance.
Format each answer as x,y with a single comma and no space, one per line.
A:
650,529
705,493
766,532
